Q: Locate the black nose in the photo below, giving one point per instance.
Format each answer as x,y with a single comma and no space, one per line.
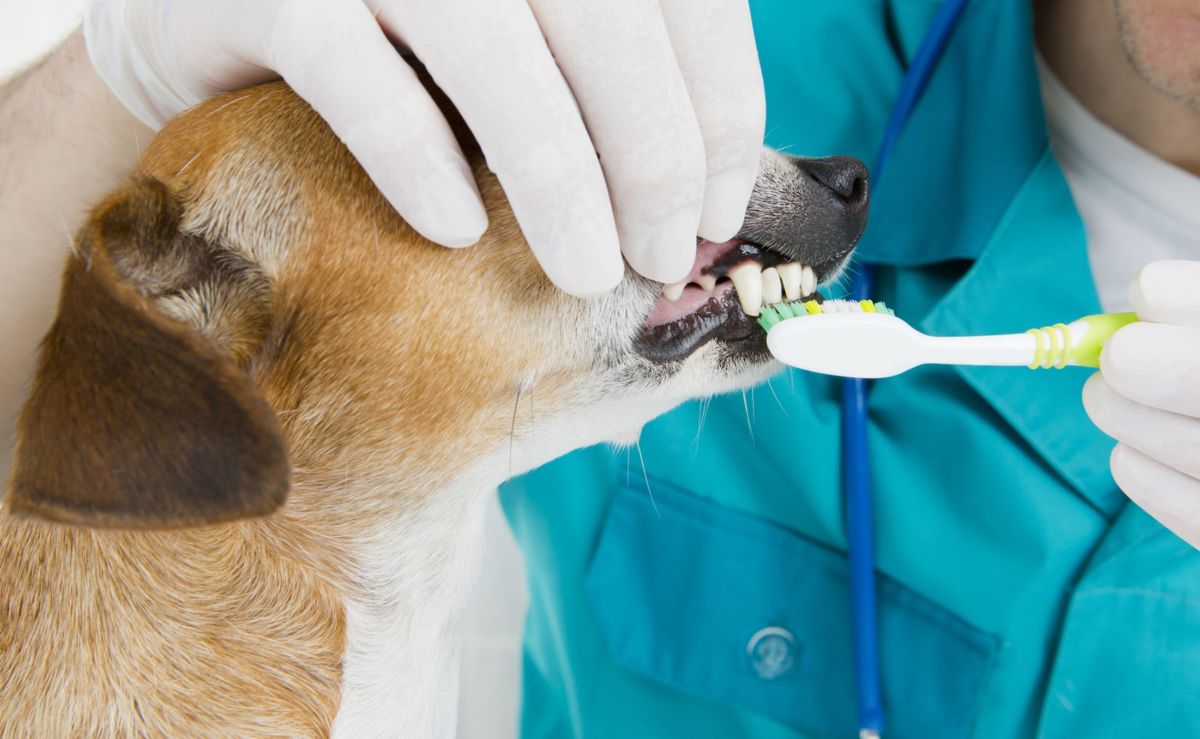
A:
809,210
843,176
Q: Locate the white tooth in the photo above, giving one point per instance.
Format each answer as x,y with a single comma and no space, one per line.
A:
808,281
707,282
747,281
790,274
772,286
673,291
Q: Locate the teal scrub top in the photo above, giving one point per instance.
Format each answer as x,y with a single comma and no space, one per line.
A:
697,587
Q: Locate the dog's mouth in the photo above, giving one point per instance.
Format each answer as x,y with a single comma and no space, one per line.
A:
721,298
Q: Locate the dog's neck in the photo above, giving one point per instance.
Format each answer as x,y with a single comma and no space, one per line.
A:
411,576
413,570
341,609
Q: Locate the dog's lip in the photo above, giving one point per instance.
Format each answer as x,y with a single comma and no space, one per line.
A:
713,263
674,329
718,318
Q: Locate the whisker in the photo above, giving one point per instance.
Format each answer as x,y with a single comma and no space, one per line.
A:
67,232
646,477
749,423
532,416
512,431
259,102
226,105
776,396
188,163
703,415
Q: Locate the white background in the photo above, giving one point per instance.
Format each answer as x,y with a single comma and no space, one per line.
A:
491,649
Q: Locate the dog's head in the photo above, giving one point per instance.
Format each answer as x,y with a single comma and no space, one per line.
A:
249,305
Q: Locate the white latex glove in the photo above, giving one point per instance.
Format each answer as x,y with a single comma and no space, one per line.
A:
667,92
1147,397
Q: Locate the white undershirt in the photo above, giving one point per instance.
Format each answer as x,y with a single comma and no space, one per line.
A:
1136,208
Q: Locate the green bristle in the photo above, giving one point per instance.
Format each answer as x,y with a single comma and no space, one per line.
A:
773,315
767,318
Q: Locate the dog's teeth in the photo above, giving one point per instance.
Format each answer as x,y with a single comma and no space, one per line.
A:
772,286
790,275
673,291
707,282
747,281
808,281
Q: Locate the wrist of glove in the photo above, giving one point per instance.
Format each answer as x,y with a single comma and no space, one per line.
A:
125,68
1147,397
544,86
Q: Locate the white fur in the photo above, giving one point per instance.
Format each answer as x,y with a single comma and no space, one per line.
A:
401,667
400,670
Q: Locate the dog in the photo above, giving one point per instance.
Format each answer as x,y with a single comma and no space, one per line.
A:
250,475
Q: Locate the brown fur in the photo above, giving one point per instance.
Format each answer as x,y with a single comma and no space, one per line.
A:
118,380
238,629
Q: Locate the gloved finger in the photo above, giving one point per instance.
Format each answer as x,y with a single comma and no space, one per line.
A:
617,57
490,58
334,55
714,43
1155,364
1168,495
1165,292
1169,438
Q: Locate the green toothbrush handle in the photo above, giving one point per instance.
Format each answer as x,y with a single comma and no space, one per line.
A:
1078,343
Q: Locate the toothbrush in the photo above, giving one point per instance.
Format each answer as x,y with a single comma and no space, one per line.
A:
866,339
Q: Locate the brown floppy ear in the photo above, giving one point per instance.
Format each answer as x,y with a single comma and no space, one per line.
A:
135,419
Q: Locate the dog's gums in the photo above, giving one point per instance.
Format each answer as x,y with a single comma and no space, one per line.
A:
718,300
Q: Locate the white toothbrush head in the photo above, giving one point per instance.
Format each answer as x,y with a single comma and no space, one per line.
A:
841,337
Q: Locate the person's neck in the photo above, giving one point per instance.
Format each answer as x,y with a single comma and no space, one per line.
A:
1080,42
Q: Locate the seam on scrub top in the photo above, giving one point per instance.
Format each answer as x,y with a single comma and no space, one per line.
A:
1153,532
1070,630
1017,420
773,540
1104,590
901,595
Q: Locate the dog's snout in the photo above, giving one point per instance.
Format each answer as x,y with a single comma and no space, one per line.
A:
810,210
844,176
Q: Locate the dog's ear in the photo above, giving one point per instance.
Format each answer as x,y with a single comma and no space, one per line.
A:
136,419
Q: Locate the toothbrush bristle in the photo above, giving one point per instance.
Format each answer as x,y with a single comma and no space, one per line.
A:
774,314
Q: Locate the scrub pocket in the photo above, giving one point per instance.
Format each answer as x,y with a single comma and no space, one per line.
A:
737,610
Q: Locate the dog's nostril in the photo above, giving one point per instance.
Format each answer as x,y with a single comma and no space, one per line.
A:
844,176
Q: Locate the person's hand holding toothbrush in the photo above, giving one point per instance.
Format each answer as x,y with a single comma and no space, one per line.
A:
1147,397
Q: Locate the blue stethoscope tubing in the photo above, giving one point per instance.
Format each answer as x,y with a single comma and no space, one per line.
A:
856,468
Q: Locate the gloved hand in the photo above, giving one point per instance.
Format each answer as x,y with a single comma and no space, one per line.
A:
1147,397
670,93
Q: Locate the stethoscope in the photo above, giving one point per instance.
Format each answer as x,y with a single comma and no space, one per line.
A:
856,467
